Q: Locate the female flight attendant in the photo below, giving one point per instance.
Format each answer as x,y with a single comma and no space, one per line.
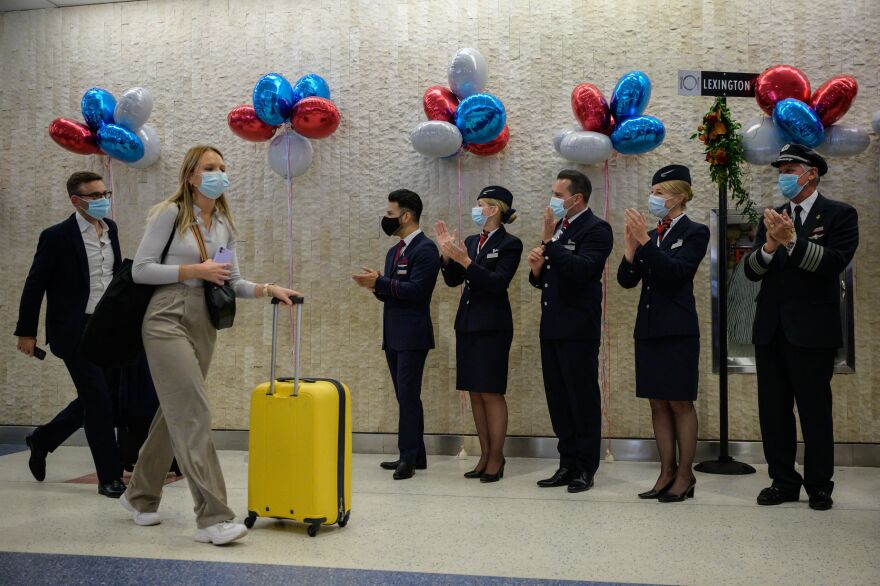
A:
667,333
484,324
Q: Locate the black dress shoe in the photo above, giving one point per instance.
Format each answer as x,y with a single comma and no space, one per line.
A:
475,473
821,500
655,494
37,461
773,495
112,489
393,464
687,493
494,477
560,478
581,482
404,470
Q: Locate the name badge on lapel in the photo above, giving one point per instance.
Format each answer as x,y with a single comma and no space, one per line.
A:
402,266
570,245
817,233
493,254
678,243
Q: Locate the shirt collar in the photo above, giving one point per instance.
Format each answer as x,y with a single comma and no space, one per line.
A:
408,240
807,204
197,213
85,224
575,217
675,220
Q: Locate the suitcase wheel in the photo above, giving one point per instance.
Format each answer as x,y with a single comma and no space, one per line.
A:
251,518
313,530
344,521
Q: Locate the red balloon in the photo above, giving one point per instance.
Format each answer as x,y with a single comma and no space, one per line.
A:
779,82
492,147
315,117
591,109
74,136
440,103
833,98
244,123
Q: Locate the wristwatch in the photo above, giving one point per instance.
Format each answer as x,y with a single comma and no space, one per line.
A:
266,289
790,246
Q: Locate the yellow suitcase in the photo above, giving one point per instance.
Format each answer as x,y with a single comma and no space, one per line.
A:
299,463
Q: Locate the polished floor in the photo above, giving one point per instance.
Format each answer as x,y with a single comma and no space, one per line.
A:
439,528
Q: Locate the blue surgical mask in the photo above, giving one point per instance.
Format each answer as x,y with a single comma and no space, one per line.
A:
557,204
657,206
214,184
789,186
478,217
99,208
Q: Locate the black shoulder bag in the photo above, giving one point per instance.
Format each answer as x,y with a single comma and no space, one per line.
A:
220,299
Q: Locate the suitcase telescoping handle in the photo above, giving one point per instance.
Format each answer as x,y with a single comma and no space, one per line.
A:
298,301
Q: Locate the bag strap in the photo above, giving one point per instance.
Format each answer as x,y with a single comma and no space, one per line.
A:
168,244
200,240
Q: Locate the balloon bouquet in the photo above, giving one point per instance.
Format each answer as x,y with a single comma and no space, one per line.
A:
114,128
620,126
796,115
463,116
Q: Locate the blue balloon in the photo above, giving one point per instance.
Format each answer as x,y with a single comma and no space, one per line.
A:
273,99
97,108
480,118
120,143
309,86
798,122
638,135
631,95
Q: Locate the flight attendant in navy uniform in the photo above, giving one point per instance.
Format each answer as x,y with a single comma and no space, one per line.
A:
485,265
800,250
667,331
567,267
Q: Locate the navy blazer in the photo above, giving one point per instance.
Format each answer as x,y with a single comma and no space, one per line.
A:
571,280
406,290
801,293
60,270
666,305
484,305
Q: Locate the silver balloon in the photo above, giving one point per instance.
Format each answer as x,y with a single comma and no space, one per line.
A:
844,141
875,122
584,146
436,138
150,138
557,138
467,73
761,140
133,108
290,148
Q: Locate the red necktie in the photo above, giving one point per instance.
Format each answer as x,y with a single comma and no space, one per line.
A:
565,224
663,226
397,252
483,237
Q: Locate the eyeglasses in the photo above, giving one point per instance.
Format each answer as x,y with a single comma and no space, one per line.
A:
95,195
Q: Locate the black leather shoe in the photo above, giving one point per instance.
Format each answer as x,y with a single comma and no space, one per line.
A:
821,501
494,477
581,482
773,495
37,461
393,464
112,489
687,493
560,478
404,470
655,494
475,473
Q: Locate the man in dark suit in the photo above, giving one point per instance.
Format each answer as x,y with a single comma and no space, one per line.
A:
567,267
74,263
800,250
406,287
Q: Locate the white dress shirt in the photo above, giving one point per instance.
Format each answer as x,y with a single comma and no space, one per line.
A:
99,254
806,206
408,240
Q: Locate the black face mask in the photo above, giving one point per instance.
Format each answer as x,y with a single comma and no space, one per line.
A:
390,225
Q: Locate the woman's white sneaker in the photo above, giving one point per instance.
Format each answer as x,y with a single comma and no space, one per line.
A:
221,533
142,519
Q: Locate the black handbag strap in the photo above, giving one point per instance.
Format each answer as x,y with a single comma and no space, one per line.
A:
168,244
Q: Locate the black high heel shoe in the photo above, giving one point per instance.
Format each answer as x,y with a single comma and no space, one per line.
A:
654,494
494,477
688,493
475,473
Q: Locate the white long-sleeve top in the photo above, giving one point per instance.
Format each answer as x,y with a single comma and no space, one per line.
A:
184,250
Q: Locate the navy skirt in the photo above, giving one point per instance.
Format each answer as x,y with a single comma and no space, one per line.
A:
668,368
481,360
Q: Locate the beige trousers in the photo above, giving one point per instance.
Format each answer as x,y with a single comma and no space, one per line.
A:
179,340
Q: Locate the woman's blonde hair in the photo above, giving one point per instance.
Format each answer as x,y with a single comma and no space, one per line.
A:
679,187
184,196
503,208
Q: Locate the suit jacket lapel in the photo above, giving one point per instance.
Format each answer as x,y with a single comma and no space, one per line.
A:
494,238
669,238
79,248
114,243
812,217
